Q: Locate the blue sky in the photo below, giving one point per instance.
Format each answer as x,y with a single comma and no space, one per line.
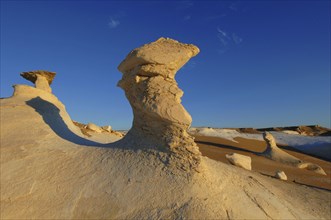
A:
262,63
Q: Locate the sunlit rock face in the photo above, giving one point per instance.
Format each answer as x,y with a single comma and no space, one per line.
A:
160,121
41,78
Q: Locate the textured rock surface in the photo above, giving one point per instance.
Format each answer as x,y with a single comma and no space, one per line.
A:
160,121
240,160
41,78
281,175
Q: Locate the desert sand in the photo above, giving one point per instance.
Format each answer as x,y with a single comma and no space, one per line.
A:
216,148
51,170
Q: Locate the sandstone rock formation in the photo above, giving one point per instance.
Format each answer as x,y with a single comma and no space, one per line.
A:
281,175
160,121
50,172
273,152
240,160
41,78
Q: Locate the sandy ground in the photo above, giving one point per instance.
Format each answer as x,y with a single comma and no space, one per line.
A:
216,148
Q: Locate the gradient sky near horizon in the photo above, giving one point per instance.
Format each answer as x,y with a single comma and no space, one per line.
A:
262,63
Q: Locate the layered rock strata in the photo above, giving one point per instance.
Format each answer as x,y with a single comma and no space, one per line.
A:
160,121
41,78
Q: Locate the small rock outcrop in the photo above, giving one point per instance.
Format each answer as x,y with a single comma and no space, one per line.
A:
240,160
312,167
281,175
160,121
41,78
107,128
94,127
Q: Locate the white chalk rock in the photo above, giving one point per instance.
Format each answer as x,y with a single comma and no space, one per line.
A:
273,152
281,175
240,160
160,121
290,132
106,128
312,167
94,127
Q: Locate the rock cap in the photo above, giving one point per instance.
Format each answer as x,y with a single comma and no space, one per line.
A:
177,54
32,75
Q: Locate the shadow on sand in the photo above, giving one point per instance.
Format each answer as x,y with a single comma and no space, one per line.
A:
51,116
225,146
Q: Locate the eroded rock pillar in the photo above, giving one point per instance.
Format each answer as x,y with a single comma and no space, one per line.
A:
160,121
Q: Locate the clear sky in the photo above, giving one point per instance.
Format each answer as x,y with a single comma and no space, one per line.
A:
262,63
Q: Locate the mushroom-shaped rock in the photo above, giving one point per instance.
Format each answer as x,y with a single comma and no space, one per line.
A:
240,160
273,152
281,175
41,78
160,121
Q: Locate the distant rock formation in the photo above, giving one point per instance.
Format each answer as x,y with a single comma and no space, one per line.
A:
240,160
94,127
273,152
160,121
107,128
306,130
281,175
41,78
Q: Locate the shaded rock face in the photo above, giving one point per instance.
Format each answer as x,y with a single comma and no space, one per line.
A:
41,78
160,121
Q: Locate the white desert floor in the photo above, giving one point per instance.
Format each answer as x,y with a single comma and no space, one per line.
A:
50,171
